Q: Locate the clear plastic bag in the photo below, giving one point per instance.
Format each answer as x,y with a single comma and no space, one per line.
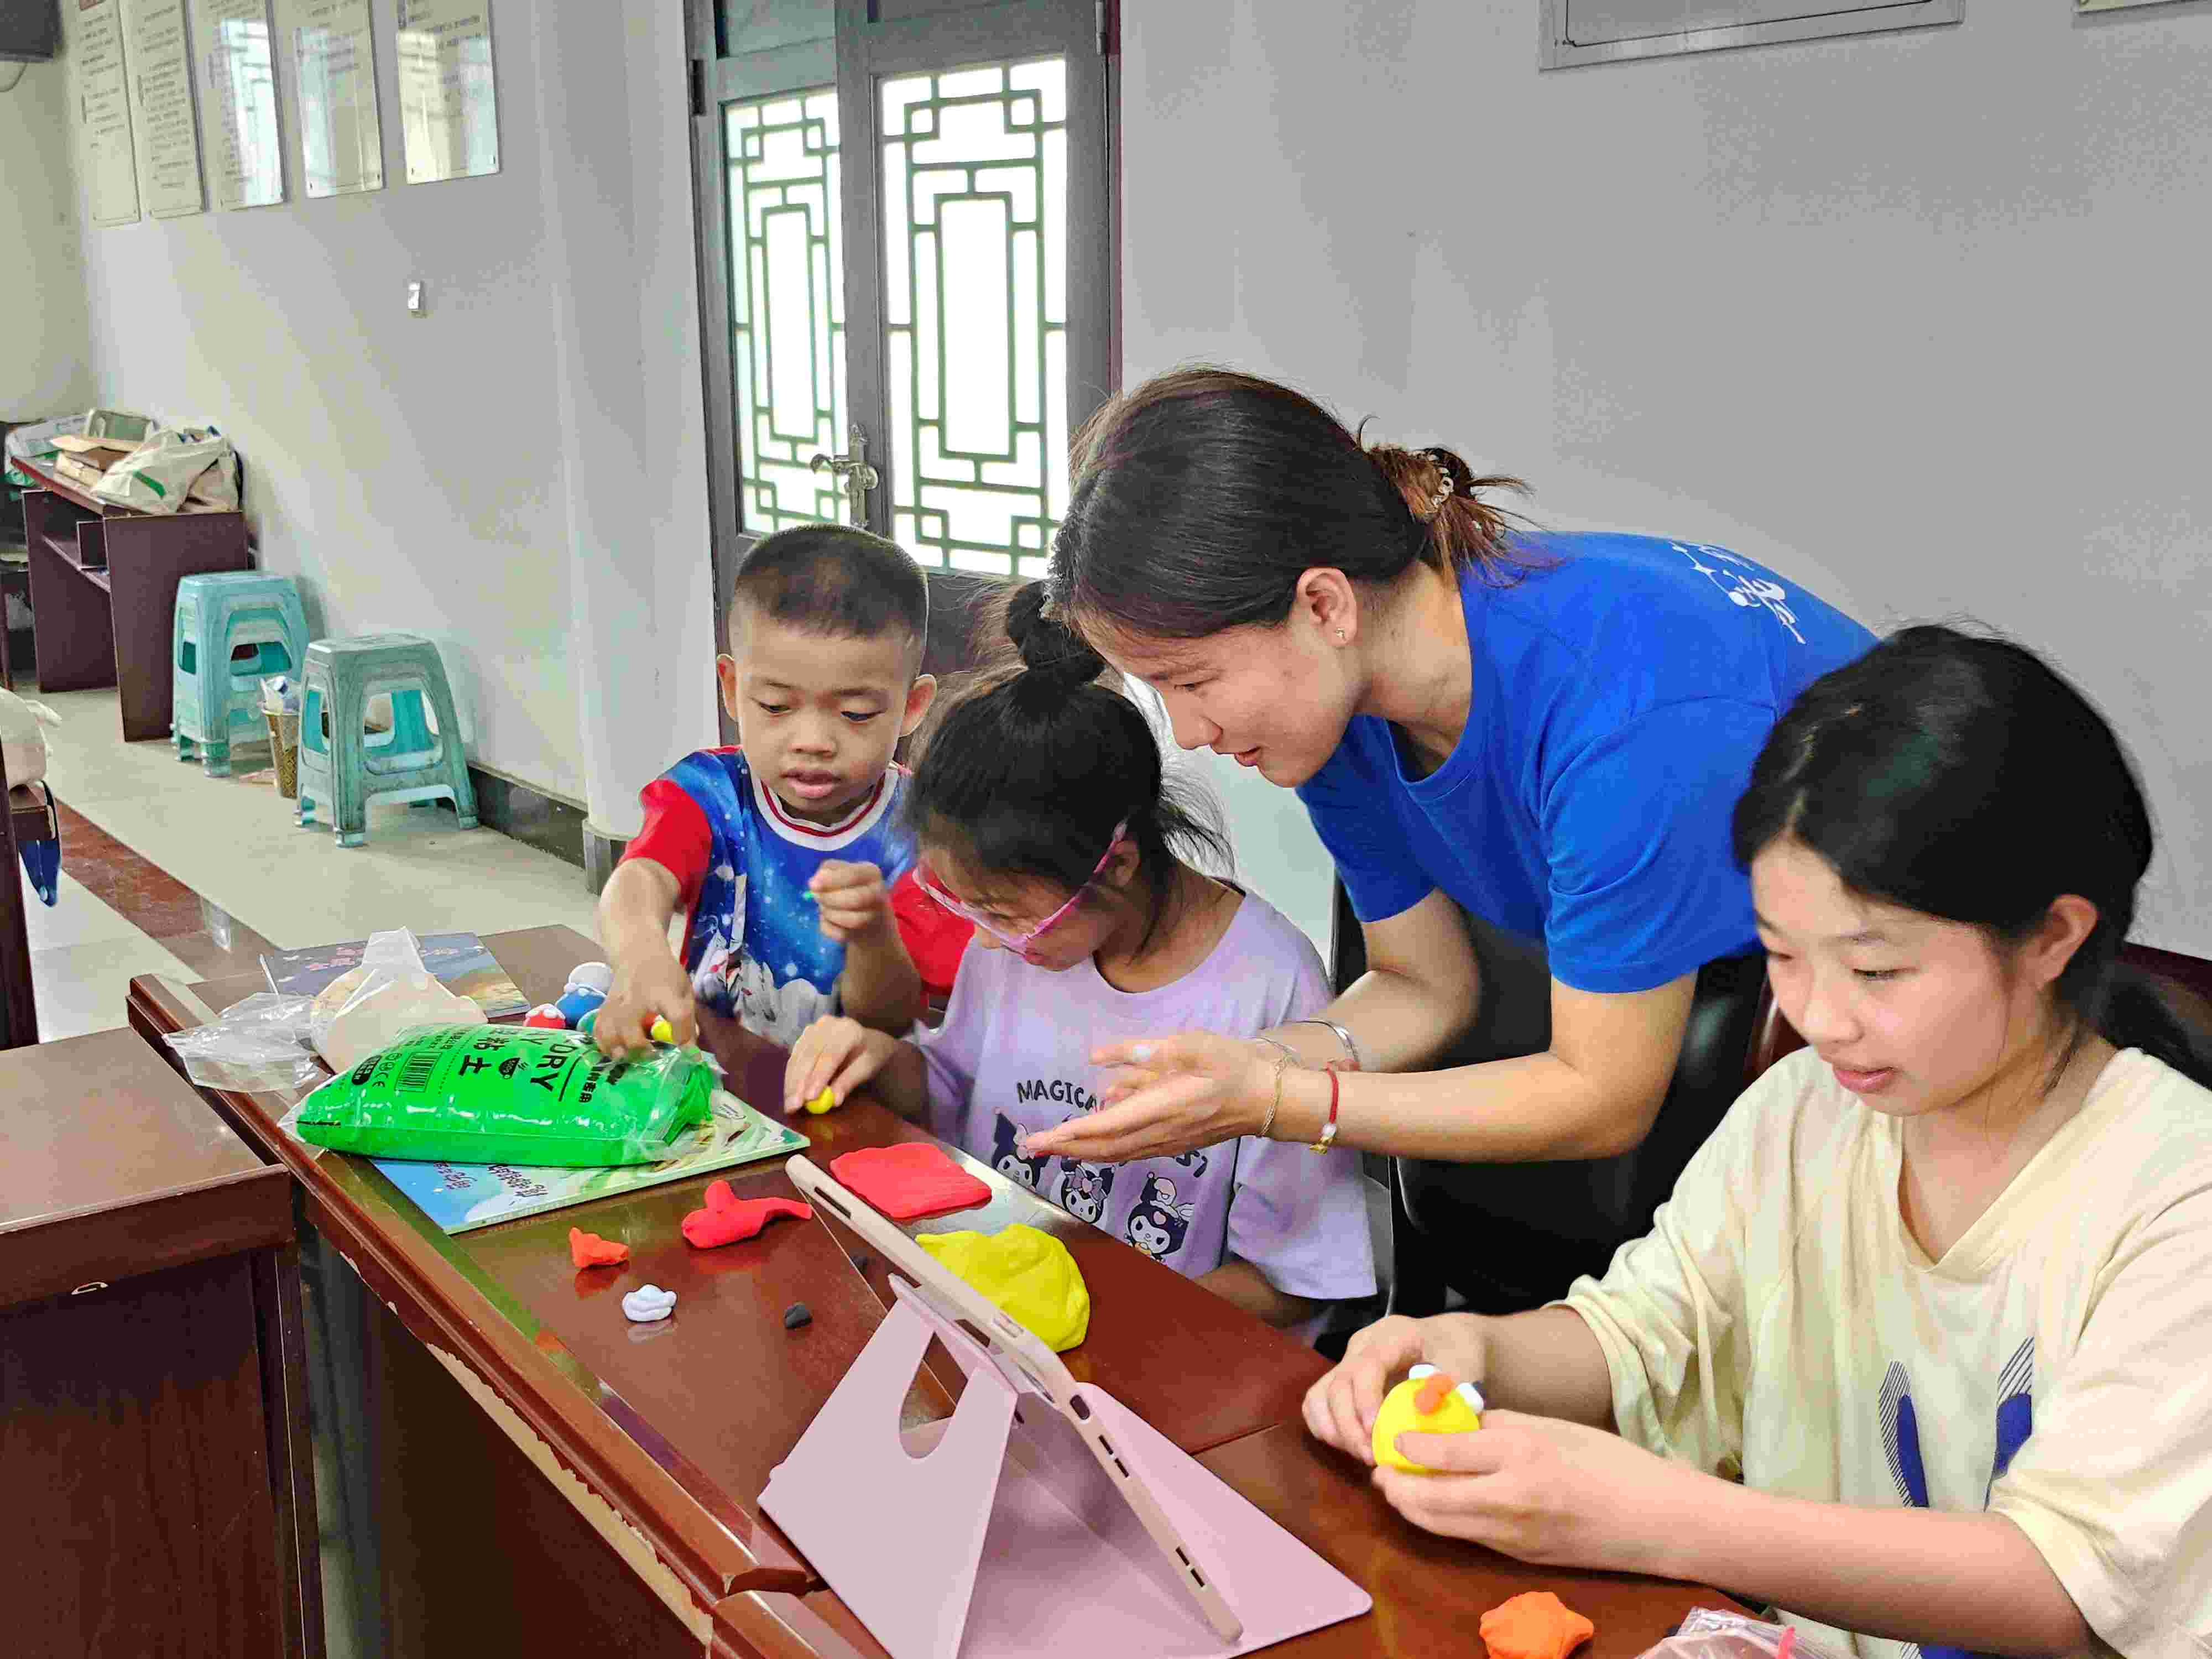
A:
509,1094
1710,1634
260,1046
391,992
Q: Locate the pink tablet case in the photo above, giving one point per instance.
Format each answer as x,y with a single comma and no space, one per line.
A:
999,1532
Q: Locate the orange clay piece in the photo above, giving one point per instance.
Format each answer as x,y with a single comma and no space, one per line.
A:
1535,1625
1433,1393
590,1250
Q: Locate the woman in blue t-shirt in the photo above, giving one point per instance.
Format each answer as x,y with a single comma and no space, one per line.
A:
1548,731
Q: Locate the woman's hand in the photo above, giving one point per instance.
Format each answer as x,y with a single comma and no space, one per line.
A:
836,1054
1551,1492
1169,1095
1340,1409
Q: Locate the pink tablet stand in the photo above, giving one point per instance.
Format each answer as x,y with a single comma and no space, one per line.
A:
997,1533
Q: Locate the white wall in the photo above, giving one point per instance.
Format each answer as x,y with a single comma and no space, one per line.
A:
623,288
432,473
1919,319
43,334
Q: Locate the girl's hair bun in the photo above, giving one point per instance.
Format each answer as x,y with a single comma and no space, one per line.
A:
1048,646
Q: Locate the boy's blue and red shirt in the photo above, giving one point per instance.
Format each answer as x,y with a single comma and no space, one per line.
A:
752,940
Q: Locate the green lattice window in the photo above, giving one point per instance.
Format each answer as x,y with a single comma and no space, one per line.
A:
975,195
786,304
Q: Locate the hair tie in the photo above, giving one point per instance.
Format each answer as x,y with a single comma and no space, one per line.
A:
1445,485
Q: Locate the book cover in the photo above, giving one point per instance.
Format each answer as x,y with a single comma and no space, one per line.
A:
461,1197
460,961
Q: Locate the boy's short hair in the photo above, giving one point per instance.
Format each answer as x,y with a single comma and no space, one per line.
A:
833,578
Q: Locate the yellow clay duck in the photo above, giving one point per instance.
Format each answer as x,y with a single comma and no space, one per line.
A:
1427,1403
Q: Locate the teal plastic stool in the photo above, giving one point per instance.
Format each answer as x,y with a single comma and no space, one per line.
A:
343,766
232,629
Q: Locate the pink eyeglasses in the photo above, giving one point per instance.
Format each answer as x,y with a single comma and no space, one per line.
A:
1024,944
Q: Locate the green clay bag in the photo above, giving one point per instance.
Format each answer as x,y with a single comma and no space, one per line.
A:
493,1094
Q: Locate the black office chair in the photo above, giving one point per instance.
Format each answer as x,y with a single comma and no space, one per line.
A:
1506,1237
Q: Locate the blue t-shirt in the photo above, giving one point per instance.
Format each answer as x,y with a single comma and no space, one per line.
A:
1620,699
753,942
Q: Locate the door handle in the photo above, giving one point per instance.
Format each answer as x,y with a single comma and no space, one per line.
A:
856,478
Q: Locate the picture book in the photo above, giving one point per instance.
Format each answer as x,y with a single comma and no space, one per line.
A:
460,961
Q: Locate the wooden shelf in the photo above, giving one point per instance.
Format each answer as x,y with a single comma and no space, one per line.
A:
104,593
65,548
77,495
69,491
72,555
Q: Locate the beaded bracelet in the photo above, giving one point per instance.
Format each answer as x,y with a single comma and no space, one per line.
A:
1329,1130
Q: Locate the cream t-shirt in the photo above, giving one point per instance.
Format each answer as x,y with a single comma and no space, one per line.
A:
2055,1366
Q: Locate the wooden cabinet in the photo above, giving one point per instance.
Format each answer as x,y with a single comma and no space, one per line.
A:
149,1421
104,593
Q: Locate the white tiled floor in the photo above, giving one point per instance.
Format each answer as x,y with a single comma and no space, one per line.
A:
234,841
82,956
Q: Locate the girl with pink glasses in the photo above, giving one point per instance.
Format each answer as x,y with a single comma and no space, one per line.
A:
1044,815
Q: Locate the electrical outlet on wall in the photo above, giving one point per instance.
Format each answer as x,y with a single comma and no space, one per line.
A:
417,297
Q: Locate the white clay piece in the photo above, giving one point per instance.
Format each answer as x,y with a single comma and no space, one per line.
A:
649,1302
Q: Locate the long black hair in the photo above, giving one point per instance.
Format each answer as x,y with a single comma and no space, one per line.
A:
1027,772
1201,495
1964,777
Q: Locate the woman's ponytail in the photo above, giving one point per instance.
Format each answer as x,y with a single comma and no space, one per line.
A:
1456,525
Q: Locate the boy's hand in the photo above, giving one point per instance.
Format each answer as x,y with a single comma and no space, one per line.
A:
836,1054
656,987
854,901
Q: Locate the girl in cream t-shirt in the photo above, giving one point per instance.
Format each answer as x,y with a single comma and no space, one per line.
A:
2053,1365
1920,1351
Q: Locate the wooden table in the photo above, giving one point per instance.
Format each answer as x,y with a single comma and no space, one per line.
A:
151,1450
28,815
619,1502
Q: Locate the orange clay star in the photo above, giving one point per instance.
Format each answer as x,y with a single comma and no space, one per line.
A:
590,1250
1534,1626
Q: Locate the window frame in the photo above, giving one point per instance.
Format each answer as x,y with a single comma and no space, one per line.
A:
1556,50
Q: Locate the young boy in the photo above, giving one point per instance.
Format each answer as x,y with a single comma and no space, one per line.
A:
785,851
